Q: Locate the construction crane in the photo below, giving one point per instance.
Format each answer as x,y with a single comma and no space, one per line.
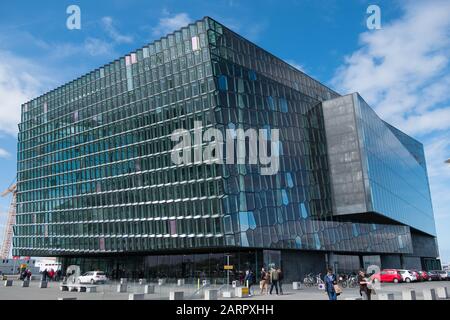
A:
7,237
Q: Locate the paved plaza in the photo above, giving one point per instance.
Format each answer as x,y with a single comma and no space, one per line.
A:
191,292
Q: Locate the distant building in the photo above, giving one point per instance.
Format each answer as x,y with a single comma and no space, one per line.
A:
12,266
97,186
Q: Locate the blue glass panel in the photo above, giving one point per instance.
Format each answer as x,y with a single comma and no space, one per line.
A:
355,230
285,198
298,242
303,211
223,83
317,241
271,103
243,221
290,182
283,105
251,220
244,240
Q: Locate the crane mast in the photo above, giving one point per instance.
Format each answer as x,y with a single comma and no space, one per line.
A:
8,233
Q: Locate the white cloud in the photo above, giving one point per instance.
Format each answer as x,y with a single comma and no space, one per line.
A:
403,72
20,80
403,68
296,65
97,47
4,153
116,36
171,23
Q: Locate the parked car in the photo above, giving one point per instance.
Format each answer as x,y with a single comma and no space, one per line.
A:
93,277
407,276
442,274
387,275
417,275
423,275
433,276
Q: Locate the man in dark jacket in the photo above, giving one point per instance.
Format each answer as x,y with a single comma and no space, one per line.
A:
249,280
330,281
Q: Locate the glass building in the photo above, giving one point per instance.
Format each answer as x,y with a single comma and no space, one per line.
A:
97,185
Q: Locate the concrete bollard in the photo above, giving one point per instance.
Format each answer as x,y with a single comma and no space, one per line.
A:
25,284
409,294
121,288
43,284
180,282
227,294
211,294
142,281
123,280
136,296
429,294
8,283
442,293
67,298
149,289
176,295
296,285
91,289
385,296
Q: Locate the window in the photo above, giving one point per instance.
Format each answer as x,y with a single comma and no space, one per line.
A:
223,83
195,43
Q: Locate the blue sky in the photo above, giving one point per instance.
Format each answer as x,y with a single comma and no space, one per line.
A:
402,70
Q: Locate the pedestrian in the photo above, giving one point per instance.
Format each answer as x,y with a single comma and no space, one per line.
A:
264,281
330,282
51,274
364,290
44,275
274,280
280,280
58,275
249,281
28,274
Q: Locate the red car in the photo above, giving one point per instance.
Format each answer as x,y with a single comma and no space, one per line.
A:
421,275
387,275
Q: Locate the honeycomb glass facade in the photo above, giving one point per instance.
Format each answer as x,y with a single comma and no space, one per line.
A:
96,180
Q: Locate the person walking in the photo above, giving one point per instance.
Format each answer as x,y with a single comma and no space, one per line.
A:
28,274
280,280
330,281
44,275
364,290
274,280
248,281
264,282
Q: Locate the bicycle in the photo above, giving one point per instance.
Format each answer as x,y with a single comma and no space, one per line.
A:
308,280
352,281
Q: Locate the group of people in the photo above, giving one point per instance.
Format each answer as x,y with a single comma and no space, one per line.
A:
25,274
333,289
50,275
274,278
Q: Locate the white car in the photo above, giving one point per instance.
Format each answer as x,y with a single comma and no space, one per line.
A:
93,277
407,276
